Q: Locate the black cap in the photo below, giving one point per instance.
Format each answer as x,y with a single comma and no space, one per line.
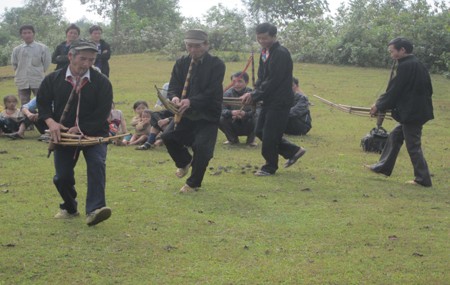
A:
83,45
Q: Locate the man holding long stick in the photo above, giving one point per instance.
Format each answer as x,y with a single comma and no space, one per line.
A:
408,94
274,89
196,88
78,99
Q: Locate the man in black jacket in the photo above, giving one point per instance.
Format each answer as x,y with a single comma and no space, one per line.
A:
236,121
274,89
86,114
196,88
408,95
104,50
299,115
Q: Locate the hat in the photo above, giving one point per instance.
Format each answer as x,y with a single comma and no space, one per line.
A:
195,37
83,45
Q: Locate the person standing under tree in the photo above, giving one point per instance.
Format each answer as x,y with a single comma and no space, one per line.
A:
196,88
274,89
78,99
59,56
30,61
408,95
104,50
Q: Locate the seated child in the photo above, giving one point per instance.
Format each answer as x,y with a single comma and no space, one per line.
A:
142,128
236,121
138,107
12,121
117,123
159,122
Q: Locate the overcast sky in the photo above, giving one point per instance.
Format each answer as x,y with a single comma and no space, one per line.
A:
188,8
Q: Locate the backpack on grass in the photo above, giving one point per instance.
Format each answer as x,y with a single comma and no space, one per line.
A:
375,140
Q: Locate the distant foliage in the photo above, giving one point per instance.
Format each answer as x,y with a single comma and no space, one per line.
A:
357,34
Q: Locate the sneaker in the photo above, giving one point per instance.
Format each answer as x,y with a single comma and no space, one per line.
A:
145,146
63,214
262,173
181,172
252,144
294,159
188,189
98,216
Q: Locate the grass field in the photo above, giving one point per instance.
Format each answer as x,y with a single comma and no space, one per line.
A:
325,220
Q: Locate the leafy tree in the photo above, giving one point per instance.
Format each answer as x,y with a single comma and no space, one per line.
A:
107,9
226,29
282,12
138,25
45,15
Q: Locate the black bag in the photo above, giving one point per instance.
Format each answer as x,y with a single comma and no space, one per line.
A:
375,140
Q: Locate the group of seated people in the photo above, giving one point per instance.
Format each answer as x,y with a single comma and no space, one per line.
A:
235,120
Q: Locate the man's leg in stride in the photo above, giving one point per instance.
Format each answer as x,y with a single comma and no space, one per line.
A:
176,140
203,148
272,122
390,152
413,134
95,157
65,159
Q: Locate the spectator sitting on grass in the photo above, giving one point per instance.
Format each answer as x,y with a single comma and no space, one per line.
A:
138,107
299,116
117,123
142,128
30,111
12,121
236,121
159,122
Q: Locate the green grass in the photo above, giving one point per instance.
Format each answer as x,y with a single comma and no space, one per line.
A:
325,220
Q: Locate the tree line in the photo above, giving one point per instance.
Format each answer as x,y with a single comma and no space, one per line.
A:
356,34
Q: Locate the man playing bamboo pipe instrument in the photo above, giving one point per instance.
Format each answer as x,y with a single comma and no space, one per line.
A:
196,88
78,99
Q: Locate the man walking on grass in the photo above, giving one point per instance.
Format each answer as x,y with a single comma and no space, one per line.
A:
274,89
78,99
408,95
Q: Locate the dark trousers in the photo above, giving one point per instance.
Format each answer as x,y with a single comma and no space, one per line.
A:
65,160
296,127
156,116
269,129
201,135
41,126
235,128
411,134
8,125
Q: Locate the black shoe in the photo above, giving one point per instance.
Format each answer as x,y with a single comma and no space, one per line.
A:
296,156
